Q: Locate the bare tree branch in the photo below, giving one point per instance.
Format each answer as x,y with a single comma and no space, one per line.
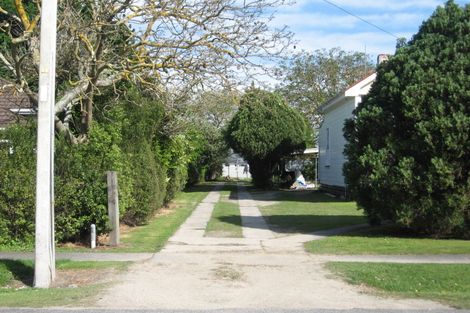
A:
166,45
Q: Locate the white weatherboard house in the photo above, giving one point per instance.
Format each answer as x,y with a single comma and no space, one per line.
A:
331,140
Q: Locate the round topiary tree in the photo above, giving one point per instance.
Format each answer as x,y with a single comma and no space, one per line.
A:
408,143
264,130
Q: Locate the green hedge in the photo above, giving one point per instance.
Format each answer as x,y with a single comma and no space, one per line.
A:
152,167
81,188
17,185
141,143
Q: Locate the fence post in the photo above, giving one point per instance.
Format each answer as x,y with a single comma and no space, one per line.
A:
113,207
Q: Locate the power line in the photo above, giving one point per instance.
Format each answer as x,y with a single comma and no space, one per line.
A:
360,18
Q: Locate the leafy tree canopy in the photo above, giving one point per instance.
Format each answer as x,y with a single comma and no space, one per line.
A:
165,46
209,113
310,79
264,130
409,145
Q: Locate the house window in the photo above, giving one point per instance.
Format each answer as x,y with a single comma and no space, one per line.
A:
24,112
327,139
328,150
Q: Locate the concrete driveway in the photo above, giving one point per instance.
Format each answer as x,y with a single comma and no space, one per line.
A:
262,271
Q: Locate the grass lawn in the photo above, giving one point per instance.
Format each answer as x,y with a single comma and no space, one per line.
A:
225,221
447,283
386,240
16,279
307,211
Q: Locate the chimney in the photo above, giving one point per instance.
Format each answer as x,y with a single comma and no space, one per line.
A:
382,58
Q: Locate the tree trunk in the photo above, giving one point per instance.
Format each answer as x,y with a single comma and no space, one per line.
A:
261,172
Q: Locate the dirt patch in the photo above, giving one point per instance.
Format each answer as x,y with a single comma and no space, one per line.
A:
124,229
102,241
228,273
73,245
166,210
19,284
71,278
82,277
101,245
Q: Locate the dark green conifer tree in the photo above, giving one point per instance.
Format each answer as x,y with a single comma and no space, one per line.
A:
264,130
409,141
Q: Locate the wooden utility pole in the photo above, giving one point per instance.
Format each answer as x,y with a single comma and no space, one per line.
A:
113,208
44,266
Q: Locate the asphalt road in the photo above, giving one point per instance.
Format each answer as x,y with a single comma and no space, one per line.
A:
65,310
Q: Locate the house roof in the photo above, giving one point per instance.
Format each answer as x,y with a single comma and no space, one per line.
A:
13,104
359,88
308,151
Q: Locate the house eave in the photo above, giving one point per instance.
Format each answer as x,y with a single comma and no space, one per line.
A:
351,92
324,107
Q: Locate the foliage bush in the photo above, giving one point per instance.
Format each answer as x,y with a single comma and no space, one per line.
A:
264,130
209,152
142,118
80,184
176,156
17,184
409,144
125,137
214,153
81,187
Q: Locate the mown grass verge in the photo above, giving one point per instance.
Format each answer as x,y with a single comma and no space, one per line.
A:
386,240
225,221
16,278
307,211
447,283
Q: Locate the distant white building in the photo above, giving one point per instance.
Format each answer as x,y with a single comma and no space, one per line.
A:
331,141
235,167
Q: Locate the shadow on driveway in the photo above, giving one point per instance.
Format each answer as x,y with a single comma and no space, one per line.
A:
295,224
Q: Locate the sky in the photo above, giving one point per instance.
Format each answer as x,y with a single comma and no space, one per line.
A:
318,25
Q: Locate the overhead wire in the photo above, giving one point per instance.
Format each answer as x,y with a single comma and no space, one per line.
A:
360,18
